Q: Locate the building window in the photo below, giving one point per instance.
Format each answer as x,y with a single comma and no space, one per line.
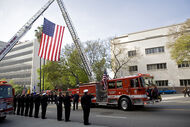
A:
133,68
154,50
184,82
132,53
184,64
162,82
156,66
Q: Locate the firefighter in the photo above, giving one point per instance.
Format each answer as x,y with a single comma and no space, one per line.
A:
44,103
67,105
31,104
59,106
37,105
26,104
15,103
55,98
22,104
75,101
19,104
86,103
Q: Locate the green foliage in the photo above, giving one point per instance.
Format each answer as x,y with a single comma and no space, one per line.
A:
181,49
180,43
38,33
18,89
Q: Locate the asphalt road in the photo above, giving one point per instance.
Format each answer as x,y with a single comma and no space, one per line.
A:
173,111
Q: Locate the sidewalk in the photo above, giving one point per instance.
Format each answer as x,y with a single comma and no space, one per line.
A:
172,96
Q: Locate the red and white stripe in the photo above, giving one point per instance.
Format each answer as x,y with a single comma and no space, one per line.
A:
50,47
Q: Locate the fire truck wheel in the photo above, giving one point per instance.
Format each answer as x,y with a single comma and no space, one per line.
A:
125,104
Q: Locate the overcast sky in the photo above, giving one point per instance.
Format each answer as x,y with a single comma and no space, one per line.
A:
94,19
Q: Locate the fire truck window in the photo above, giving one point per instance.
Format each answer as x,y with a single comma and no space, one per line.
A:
134,82
111,85
119,84
137,82
5,91
142,82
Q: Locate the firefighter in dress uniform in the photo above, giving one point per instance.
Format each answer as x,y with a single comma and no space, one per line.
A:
22,104
37,105
26,104
15,103
19,104
59,106
75,101
44,103
67,105
31,104
86,103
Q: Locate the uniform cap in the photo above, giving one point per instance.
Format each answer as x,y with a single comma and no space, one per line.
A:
86,90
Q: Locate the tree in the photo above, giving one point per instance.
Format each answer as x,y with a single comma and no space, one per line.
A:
38,33
97,51
120,58
73,65
180,42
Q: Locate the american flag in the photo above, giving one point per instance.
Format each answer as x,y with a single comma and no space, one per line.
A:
50,45
105,79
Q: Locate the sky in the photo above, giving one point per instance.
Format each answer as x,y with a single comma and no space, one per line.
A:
94,19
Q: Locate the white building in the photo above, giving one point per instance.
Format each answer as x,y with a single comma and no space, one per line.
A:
21,64
150,54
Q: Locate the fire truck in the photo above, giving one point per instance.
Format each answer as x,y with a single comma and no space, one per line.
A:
6,99
122,92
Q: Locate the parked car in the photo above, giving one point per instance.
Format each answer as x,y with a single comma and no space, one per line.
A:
167,91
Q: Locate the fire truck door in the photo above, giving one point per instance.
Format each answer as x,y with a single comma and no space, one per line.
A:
135,87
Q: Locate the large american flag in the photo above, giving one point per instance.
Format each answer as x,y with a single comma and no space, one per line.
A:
50,45
105,79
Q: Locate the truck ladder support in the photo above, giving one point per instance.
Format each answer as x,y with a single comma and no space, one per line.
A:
76,40
12,42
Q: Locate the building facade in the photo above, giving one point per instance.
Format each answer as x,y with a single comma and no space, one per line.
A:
21,64
150,54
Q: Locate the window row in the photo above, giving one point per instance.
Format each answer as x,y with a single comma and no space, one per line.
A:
156,66
16,62
25,75
154,50
147,51
184,64
18,54
185,82
22,47
162,82
19,68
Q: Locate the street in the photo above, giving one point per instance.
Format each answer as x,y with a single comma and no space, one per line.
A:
173,111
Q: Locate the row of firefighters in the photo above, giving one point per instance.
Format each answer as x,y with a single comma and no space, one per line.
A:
24,104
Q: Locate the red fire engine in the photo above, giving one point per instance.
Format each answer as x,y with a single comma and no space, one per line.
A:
123,92
6,99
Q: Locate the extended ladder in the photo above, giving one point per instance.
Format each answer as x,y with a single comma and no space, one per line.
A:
12,42
77,41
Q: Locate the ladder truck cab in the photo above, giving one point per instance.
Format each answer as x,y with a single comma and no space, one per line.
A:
122,92
6,99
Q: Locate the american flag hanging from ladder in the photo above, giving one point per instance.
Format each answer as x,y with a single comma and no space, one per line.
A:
105,79
50,45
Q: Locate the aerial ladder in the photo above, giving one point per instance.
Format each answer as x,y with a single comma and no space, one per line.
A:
13,41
